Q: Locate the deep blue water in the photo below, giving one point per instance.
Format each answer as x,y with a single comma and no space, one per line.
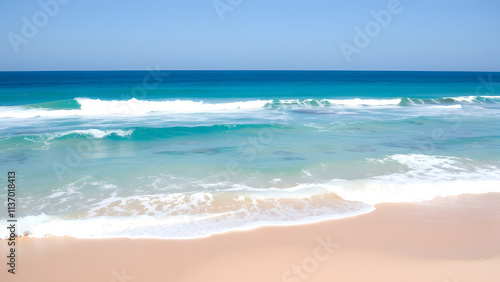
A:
35,87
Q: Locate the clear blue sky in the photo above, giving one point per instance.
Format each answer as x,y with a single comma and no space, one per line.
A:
255,34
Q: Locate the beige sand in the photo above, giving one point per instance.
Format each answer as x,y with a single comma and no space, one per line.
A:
455,239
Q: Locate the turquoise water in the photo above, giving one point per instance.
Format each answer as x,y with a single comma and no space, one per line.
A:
185,154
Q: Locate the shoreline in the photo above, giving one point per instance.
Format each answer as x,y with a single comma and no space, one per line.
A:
454,238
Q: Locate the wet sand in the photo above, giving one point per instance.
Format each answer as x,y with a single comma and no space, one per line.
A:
452,239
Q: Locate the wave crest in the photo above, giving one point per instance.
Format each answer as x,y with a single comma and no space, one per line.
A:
134,106
97,107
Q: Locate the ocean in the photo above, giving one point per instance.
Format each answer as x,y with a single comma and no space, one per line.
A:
188,154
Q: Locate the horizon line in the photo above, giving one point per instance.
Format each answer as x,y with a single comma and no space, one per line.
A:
371,70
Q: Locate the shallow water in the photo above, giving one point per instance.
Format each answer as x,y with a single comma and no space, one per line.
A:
189,154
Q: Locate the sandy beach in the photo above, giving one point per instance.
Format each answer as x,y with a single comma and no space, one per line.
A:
446,239
250,141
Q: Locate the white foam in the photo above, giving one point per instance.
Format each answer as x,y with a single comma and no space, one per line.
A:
468,99
195,215
365,102
90,133
178,227
18,112
183,215
426,178
94,133
134,106
472,99
97,107
446,107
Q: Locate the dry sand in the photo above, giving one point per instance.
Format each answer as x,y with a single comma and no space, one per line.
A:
455,239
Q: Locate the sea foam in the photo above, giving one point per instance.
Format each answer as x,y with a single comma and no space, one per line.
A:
183,215
97,107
